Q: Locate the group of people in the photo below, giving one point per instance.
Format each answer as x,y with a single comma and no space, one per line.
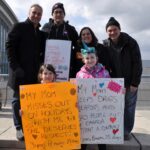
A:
118,57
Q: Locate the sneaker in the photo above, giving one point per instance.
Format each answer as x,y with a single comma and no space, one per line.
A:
127,137
19,135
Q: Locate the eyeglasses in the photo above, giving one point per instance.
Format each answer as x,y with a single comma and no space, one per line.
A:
58,12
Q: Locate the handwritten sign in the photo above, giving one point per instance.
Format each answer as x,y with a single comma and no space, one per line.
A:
58,54
50,116
101,106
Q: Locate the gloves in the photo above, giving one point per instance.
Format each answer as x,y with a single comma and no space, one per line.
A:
19,72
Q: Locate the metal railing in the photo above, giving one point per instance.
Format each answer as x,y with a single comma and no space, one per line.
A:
3,89
3,77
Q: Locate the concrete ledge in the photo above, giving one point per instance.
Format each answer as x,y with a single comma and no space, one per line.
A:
11,144
132,144
128,145
144,140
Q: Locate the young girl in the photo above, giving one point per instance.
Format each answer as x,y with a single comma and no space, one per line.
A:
46,74
91,69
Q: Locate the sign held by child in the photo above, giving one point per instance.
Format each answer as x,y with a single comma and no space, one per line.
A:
50,116
101,107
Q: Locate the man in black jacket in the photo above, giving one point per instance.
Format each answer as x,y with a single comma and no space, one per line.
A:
25,50
125,58
57,28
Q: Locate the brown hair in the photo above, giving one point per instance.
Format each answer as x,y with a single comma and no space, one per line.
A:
48,67
36,5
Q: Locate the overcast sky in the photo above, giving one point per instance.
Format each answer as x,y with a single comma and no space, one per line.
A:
134,16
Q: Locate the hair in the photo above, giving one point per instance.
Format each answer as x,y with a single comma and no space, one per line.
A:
43,67
36,5
94,38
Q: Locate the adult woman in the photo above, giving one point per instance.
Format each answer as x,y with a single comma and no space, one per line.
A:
87,36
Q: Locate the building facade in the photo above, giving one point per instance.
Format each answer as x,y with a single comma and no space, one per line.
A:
7,19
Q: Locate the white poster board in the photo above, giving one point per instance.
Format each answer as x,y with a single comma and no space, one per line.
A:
58,53
101,107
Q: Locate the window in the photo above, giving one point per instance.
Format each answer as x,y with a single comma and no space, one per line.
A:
3,56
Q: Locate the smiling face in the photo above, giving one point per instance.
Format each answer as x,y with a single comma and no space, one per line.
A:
35,14
113,33
86,36
47,76
90,60
58,16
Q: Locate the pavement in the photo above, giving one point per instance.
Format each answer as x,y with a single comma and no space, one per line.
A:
140,136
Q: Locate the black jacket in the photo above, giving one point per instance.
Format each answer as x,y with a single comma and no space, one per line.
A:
25,49
63,32
130,63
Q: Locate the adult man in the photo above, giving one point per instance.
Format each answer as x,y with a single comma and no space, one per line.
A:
57,28
25,49
126,63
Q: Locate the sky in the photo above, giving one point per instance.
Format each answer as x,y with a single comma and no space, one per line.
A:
133,16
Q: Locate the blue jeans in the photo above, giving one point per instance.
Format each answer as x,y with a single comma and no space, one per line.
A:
16,108
129,112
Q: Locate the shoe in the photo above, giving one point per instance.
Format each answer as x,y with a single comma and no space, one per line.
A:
19,135
127,137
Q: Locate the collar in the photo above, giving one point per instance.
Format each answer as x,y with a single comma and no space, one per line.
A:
30,22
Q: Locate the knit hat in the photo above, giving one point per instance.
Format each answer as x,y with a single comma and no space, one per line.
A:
58,5
112,21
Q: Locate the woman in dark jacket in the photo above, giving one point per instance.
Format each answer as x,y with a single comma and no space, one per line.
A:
87,35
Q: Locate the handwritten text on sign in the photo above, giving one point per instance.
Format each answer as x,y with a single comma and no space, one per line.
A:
50,116
101,106
58,53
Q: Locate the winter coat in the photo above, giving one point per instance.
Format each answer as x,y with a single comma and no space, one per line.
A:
129,66
63,32
98,71
25,49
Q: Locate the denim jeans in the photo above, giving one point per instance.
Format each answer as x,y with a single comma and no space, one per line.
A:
16,108
129,112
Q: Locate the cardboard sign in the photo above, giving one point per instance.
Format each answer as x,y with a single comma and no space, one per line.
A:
50,116
101,107
58,54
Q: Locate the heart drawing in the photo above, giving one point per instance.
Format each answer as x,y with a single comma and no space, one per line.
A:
94,94
112,119
101,85
34,136
115,131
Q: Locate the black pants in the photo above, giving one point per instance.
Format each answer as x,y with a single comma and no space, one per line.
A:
100,146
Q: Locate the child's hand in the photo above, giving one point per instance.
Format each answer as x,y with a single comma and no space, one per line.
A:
20,113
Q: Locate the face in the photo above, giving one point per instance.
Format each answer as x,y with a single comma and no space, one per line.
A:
90,60
86,36
58,16
47,76
35,14
113,32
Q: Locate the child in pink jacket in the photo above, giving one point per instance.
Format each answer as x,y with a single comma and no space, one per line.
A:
91,67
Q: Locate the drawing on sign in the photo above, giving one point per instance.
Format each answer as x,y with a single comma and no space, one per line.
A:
101,107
